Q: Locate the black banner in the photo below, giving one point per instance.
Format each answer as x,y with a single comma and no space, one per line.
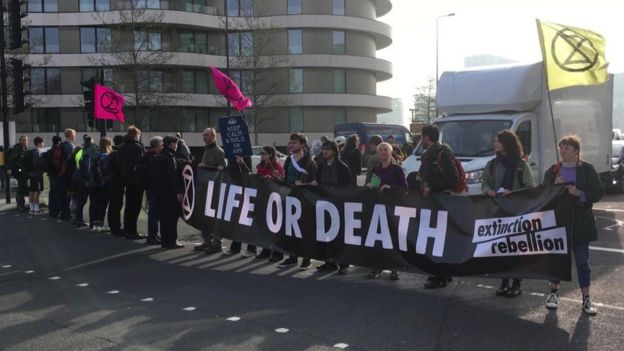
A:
524,235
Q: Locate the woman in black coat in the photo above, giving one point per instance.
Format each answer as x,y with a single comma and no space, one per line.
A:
352,156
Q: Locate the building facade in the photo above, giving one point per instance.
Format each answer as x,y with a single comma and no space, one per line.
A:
309,64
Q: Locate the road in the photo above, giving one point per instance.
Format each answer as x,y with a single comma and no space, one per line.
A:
62,288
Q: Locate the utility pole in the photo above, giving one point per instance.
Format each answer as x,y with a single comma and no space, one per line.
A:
4,102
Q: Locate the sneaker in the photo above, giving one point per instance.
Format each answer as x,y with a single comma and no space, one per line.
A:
502,291
96,228
231,252
276,257
305,264
289,262
327,267
211,249
248,254
343,270
436,283
374,273
552,301
37,212
394,275
201,247
588,307
513,291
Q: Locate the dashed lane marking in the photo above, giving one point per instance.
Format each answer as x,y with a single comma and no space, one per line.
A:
7,266
113,292
29,272
56,277
148,299
234,319
189,309
341,345
282,330
82,285
606,249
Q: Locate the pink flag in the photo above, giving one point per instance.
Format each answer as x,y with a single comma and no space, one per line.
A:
108,104
230,90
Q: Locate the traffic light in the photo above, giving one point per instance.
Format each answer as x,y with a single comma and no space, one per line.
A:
15,24
87,94
19,76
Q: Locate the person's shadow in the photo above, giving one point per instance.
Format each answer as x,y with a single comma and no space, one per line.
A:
581,334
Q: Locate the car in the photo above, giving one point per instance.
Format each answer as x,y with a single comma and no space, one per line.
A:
255,157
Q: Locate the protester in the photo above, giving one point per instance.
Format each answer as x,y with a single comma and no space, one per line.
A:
438,174
352,156
397,152
340,141
86,164
102,184
385,175
2,168
300,170
35,175
153,216
333,172
63,165
54,200
130,155
270,168
116,189
213,157
16,170
502,175
168,191
372,157
584,185
183,152
240,165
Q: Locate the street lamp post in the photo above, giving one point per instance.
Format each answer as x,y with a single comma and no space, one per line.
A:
437,29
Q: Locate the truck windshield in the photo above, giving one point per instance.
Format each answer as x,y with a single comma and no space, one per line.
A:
473,138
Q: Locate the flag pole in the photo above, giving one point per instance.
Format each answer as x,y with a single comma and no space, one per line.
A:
552,116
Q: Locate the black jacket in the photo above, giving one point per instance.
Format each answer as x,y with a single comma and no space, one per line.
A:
163,175
130,154
234,167
353,158
343,173
437,168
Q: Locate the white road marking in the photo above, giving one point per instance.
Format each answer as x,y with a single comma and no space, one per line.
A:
234,319
7,266
609,209
54,278
537,294
113,292
82,285
607,249
190,308
341,345
485,286
29,272
148,299
282,330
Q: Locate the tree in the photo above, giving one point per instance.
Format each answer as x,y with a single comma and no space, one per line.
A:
136,54
424,103
255,66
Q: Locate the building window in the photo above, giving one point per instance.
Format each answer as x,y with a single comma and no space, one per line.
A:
294,7
147,41
194,82
43,40
295,41
150,81
94,5
339,7
146,4
88,73
338,42
295,81
95,39
240,8
198,6
340,116
193,42
340,81
46,120
194,119
42,5
296,119
244,80
240,44
45,80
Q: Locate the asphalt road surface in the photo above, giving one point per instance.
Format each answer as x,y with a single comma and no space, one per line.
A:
63,288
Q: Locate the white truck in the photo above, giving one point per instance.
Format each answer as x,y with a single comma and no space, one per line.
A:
475,104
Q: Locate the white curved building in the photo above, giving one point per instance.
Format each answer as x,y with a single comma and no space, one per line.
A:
320,58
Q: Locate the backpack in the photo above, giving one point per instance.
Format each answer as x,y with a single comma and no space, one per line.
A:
57,162
103,172
87,167
461,186
28,161
44,162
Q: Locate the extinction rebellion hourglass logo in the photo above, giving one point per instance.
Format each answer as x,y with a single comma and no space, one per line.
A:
188,202
530,234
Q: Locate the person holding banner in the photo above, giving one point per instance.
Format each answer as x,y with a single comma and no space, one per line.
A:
332,171
385,175
240,165
584,185
300,170
270,168
502,175
130,155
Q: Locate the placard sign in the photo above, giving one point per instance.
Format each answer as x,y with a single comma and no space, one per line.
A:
235,136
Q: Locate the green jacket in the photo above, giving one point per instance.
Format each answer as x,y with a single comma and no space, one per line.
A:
213,156
493,175
583,221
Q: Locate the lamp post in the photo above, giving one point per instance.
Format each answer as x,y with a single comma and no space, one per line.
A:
437,29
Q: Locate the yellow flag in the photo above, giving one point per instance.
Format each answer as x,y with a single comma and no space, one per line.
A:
572,56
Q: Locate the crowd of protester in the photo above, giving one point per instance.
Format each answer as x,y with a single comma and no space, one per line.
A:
115,174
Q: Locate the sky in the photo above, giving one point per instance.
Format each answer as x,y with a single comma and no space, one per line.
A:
496,27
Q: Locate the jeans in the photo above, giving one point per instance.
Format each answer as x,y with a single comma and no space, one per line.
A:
134,196
86,194
101,202
54,199
114,208
153,216
581,258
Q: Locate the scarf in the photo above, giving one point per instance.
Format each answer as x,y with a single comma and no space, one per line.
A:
510,164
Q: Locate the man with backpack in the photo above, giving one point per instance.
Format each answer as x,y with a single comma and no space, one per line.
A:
116,189
32,166
17,171
438,173
54,201
61,158
84,180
